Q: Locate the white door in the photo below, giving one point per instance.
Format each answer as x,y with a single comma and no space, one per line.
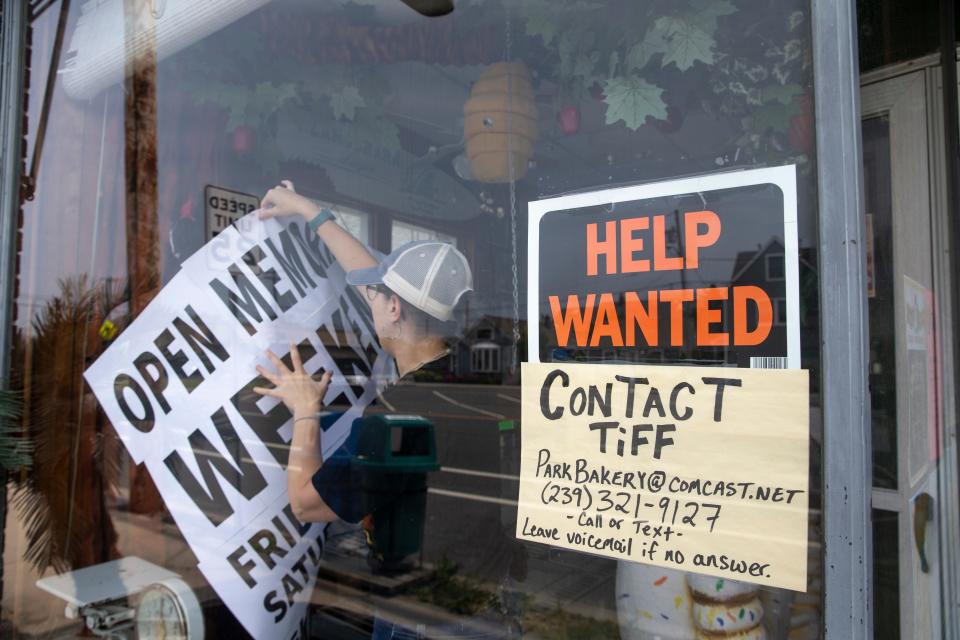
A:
903,301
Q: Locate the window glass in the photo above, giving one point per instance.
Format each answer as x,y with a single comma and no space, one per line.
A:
356,222
402,233
445,129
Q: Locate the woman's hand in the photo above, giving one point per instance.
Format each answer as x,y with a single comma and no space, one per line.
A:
300,392
283,200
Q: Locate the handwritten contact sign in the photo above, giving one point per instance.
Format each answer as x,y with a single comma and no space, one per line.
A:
700,469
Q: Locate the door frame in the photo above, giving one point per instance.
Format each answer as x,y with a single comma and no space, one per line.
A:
928,79
902,99
847,537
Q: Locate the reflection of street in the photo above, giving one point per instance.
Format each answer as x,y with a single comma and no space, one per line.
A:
471,505
470,520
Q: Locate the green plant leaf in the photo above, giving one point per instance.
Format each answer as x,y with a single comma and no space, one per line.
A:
639,54
545,19
772,115
707,11
584,64
267,98
688,42
782,93
345,103
632,99
540,19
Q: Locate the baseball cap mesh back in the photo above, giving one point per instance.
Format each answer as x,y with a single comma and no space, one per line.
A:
415,263
448,285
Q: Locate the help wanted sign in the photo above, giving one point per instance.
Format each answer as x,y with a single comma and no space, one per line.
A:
177,387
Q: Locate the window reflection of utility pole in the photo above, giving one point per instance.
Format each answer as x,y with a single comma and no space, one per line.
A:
140,168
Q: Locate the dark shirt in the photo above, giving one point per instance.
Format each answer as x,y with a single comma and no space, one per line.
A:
341,490
337,484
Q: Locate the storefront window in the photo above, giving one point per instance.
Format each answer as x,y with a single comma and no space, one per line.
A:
173,123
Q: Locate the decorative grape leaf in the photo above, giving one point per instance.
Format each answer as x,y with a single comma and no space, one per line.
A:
782,93
246,106
772,115
632,99
268,97
345,103
639,54
566,51
540,20
578,56
688,42
613,63
706,12
584,64
546,19
689,37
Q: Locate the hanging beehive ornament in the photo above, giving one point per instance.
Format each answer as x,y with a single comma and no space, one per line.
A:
500,119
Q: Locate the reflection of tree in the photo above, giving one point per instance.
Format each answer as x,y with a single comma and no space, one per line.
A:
62,498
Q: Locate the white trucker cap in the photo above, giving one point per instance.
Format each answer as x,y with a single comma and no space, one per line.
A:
432,276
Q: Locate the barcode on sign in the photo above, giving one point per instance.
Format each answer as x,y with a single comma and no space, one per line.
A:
768,362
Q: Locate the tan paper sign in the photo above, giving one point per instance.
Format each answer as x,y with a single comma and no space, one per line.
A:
700,469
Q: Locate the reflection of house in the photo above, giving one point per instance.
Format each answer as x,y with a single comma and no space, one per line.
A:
765,268
486,351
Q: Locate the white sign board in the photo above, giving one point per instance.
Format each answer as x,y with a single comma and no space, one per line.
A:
222,207
591,254
176,385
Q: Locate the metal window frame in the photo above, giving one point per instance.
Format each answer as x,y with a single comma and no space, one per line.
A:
951,194
847,543
13,64
848,556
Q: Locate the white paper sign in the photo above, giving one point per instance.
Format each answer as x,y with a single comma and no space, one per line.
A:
176,384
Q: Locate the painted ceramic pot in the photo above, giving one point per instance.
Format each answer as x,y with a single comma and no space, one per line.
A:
652,603
723,609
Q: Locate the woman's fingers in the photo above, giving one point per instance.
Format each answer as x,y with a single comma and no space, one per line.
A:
277,362
263,391
288,185
295,359
325,382
269,198
266,373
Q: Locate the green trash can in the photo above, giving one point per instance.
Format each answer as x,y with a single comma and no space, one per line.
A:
394,454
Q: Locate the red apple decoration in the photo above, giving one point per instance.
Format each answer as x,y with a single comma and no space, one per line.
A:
244,138
186,211
673,121
801,125
569,119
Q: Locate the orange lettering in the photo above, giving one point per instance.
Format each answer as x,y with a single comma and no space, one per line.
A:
742,336
629,245
676,298
606,325
660,260
707,316
573,317
606,247
646,319
693,240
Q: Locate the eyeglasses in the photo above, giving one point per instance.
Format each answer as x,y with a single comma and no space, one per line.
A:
374,289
